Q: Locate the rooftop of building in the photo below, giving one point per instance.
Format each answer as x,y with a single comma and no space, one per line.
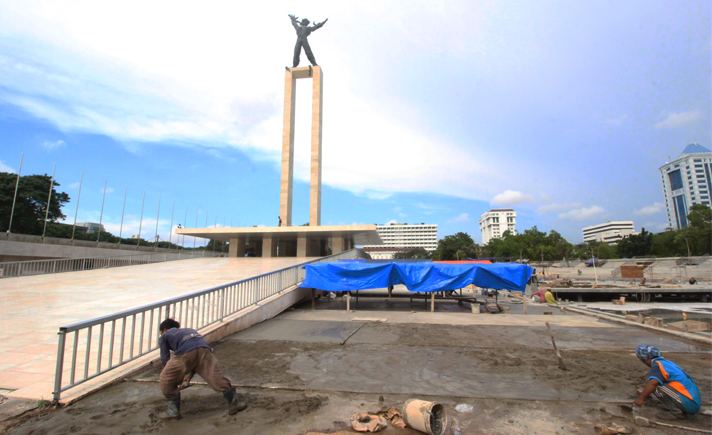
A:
695,148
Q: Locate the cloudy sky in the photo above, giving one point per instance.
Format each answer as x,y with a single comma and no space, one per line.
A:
434,111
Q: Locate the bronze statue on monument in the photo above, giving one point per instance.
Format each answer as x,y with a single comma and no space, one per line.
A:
303,31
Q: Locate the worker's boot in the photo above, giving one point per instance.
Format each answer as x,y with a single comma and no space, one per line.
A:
173,411
235,402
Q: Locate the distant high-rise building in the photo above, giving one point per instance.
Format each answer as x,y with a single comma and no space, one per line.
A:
494,223
403,237
91,227
686,182
611,232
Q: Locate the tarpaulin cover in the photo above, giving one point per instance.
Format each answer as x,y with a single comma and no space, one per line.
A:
417,277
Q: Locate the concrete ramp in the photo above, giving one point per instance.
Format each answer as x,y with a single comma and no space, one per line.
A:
34,307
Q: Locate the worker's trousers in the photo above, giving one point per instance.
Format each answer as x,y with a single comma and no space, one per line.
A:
307,51
673,400
200,360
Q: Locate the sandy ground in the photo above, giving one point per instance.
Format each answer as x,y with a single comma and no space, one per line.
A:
299,379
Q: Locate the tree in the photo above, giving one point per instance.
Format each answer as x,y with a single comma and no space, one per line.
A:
449,246
31,203
635,245
417,253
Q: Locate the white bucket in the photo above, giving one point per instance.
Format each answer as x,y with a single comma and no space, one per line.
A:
428,417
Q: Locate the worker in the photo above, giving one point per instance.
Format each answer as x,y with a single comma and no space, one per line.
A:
550,299
191,355
539,296
668,383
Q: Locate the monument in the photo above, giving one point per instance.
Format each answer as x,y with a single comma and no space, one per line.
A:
286,240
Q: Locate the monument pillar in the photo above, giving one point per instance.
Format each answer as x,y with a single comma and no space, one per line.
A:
285,199
315,178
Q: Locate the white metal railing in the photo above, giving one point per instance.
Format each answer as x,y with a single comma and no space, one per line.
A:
40,267
99,345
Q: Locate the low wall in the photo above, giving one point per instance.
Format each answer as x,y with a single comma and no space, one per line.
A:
11,250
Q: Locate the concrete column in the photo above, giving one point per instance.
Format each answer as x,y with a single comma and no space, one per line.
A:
315,179
282,252
313,248
337,245
285,190
301,246
269,247
237,247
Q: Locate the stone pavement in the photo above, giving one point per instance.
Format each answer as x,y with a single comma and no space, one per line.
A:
33,308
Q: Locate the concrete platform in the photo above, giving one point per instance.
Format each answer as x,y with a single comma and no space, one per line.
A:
289,241
33,308
298,379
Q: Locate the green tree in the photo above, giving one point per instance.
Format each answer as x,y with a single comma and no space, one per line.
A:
417,253
31,203
635,245
448,247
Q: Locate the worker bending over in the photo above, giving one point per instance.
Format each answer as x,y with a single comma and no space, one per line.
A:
669,383
191,355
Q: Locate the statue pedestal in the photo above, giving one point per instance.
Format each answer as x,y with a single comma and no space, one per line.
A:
285,199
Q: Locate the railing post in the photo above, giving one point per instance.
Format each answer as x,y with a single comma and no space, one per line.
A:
19,270
60,366
54,265
222,304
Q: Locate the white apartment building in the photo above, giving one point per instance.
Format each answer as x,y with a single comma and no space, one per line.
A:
92,227
494,223
611,232
403,237
686,182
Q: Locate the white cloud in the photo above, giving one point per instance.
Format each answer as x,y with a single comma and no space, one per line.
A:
583,213
392,221
101,189
511,198
675,120
616,122
464,217
51,145
397,209
655,226
402,215
161,82
5,168
658,207
556,206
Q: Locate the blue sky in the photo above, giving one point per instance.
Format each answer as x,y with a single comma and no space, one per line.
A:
434,111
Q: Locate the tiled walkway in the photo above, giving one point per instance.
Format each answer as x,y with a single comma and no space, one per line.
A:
33,308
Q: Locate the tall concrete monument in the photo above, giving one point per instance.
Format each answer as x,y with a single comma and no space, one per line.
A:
286,240
285,202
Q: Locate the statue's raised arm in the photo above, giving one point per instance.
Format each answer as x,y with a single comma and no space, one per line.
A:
318,25
295,21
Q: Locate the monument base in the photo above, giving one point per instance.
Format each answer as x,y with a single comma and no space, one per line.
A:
305,241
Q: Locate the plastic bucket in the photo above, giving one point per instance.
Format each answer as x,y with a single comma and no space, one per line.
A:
428,417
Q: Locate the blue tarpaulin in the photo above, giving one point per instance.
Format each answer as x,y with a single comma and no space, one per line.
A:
417,277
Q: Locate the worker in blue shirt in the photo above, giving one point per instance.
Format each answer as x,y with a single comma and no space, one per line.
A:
191,355
669,383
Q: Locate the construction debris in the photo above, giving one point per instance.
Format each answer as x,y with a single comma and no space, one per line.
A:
613,429
427,417
368,422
